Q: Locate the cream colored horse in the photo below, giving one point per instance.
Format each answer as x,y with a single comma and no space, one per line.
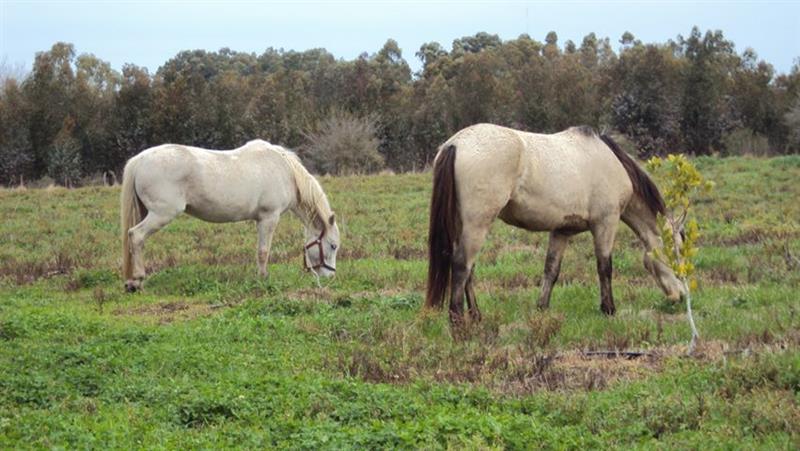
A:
564,183
258,181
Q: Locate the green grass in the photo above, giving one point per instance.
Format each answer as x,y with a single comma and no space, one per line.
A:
209,355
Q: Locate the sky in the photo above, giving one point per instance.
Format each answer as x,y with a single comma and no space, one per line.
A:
148,33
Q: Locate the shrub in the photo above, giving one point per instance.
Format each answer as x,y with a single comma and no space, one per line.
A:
64,162
344,144
679,232
743,141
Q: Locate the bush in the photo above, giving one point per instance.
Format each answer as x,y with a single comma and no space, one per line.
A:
344,144
64,162
792,122
743,141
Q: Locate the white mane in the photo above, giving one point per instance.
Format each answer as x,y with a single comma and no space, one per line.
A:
311,197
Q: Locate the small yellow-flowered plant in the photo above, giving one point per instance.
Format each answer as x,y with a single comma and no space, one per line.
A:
680,184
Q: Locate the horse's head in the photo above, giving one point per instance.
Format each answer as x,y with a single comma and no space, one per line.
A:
320,250
672,286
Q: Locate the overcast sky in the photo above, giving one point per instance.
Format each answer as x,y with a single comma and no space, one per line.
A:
148,33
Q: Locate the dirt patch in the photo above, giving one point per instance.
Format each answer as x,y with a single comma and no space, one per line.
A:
574,370
505,371
318,294
23,273
167,312
519,370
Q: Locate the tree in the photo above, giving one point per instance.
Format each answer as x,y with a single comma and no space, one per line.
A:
693,94
477,43
16,154
92,105
64,156
429,53
550,49
131,124
646,107
792,121
49,92
753,100
704,115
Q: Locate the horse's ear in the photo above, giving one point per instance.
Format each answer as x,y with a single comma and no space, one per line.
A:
331,220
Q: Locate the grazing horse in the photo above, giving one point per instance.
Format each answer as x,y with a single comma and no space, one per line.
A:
258,181
564,183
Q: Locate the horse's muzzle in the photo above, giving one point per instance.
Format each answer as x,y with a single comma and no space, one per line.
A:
322,265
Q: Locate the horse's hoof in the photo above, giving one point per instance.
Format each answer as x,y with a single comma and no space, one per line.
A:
475,317
674,298
132,286
608,310
458,327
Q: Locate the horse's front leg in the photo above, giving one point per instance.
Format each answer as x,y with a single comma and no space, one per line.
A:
604,234
552,266
266,228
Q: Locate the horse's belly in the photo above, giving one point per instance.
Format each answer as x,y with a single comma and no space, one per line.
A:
221,211
545,216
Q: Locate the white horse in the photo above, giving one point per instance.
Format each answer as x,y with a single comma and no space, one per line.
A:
564,183
258,181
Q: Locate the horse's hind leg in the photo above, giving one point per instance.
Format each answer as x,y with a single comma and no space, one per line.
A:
472,302
151,224
464,256
552,266
604,233
458,280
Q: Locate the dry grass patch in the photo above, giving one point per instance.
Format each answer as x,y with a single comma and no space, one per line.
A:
167,312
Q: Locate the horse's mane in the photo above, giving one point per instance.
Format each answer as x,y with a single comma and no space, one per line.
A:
643,185
310,196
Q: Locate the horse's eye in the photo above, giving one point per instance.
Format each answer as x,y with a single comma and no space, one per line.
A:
333,246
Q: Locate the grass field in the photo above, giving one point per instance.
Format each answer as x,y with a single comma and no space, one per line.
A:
209,355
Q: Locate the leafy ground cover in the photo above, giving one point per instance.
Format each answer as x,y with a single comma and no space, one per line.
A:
209,355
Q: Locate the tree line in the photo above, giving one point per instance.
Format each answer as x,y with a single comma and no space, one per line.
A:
74,115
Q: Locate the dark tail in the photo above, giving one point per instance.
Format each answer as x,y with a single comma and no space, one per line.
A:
445,225
643,186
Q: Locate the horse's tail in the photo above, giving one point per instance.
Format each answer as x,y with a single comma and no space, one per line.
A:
131,213
643,185
445,225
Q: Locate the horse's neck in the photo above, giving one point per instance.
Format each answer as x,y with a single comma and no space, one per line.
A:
310,219
643,222
306,208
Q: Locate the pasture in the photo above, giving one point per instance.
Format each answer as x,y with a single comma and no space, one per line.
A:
209,355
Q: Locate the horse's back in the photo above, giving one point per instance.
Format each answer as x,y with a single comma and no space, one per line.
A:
214,185
569,180
539,181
